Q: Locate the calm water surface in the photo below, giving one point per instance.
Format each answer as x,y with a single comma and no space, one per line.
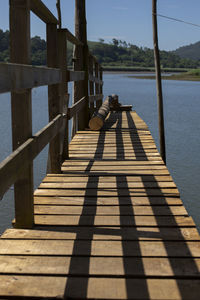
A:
182,124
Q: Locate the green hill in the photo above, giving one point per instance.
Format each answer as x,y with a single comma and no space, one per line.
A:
119,53
191,51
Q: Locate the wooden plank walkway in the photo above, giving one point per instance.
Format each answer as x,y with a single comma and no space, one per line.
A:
112,226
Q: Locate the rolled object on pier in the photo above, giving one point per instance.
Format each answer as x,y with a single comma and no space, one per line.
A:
97,120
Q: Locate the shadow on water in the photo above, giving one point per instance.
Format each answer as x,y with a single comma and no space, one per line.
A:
128,229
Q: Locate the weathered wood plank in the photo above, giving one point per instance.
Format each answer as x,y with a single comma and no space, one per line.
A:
110,210
16,77
106,179
112,185
101,248
98,266
105,233
49,287
114,167
52,287
154,289
63,220
100,200
142,172
164,192
86,162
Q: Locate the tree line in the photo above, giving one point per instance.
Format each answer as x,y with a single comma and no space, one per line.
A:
126,54
116,53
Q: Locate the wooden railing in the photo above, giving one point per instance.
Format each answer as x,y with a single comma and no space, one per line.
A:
19,77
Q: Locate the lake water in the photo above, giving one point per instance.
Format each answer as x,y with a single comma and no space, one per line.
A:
182,124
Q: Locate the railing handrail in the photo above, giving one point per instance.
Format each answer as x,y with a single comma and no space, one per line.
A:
20,78
41,10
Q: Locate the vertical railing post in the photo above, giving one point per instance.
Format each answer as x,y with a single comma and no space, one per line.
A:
101,85
98,104
64,97
158,82
21,110
54,100
81,63
91,83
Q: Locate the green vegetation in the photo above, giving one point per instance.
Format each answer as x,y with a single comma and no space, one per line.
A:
192,75
38,49
118,55
191,51
123,55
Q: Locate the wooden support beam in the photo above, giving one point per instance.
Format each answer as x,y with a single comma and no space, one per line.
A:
78,106
62,58
91,84
15,77
40,10
81,62
158,82
72,39
98,104
75,75
101,82
21,110
55,105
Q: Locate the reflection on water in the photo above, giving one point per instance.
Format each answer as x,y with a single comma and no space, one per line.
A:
182,115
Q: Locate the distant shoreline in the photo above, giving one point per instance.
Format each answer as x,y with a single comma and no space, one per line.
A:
142,69
181,77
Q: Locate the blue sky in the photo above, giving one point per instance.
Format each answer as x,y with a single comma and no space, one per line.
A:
128,20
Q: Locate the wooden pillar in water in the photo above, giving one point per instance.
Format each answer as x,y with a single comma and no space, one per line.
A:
81,63
98,103
158,82
91,83
54,101
21,110
62,61
101,85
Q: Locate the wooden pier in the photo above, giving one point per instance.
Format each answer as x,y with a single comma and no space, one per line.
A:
111,226
107,221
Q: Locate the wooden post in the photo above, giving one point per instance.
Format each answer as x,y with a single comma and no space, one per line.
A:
158,82
101,85
91,83
98,103
81,62
21,110
54,101
59,14
62,50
